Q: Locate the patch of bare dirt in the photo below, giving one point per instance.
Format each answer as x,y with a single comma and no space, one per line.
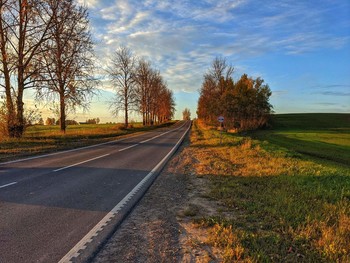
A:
161,228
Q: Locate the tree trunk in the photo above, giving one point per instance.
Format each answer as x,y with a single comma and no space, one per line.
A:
62,113
19,123
17,128
4,58
126,121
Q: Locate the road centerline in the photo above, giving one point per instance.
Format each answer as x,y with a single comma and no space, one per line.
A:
126,148
69,166
6,185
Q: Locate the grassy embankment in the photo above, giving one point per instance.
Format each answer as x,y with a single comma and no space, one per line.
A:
285,194
46,139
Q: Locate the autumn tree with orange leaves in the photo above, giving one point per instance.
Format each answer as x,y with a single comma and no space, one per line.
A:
244,104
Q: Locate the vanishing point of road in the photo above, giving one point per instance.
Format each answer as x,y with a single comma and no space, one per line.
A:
61,207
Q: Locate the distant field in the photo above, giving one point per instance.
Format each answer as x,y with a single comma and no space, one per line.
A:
90,130
40,139
325,136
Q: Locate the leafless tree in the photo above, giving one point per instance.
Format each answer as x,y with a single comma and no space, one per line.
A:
122,72
152,96
67,64
166,106
24,27
219,72
143,80
154,100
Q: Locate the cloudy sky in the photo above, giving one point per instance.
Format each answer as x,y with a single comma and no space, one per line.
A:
300,48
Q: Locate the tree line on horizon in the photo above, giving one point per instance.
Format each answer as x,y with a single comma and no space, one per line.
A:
244,104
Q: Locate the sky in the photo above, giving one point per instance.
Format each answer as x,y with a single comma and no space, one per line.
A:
301,48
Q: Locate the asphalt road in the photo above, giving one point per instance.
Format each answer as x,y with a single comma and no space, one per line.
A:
53,207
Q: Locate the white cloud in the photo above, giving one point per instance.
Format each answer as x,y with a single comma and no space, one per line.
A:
109,13
88,3
182,37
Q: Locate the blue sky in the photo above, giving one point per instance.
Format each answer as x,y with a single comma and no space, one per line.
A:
300,48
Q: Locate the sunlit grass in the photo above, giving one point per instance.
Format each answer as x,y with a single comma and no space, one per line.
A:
284,206
44,139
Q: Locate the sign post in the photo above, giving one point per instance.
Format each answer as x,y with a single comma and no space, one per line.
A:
221,120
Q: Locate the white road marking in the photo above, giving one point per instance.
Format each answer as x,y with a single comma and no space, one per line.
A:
6,185
82,244
69,166
83,148
128,147
155,137
150,139
162,134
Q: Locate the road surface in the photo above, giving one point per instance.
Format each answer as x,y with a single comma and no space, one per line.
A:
60,207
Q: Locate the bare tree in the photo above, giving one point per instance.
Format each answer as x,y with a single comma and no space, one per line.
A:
24,27
122,72
67,65
143,80
166,108
219,72
154,100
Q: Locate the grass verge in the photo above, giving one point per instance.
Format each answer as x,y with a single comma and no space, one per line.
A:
277,205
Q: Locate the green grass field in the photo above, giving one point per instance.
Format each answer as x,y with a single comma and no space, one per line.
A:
326,136
41,139
282,200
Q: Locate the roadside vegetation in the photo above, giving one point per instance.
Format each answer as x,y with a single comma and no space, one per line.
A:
243,104
277,201
39,139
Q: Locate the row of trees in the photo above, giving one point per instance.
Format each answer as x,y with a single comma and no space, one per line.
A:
244,104
45,45
140,88
186,114
53,121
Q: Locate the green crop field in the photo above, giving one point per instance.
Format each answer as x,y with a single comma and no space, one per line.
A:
325,136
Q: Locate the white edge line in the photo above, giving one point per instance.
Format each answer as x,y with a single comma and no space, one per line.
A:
69,166
3,186
74,252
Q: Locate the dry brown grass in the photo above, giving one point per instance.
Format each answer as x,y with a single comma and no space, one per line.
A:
279,206
45,139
